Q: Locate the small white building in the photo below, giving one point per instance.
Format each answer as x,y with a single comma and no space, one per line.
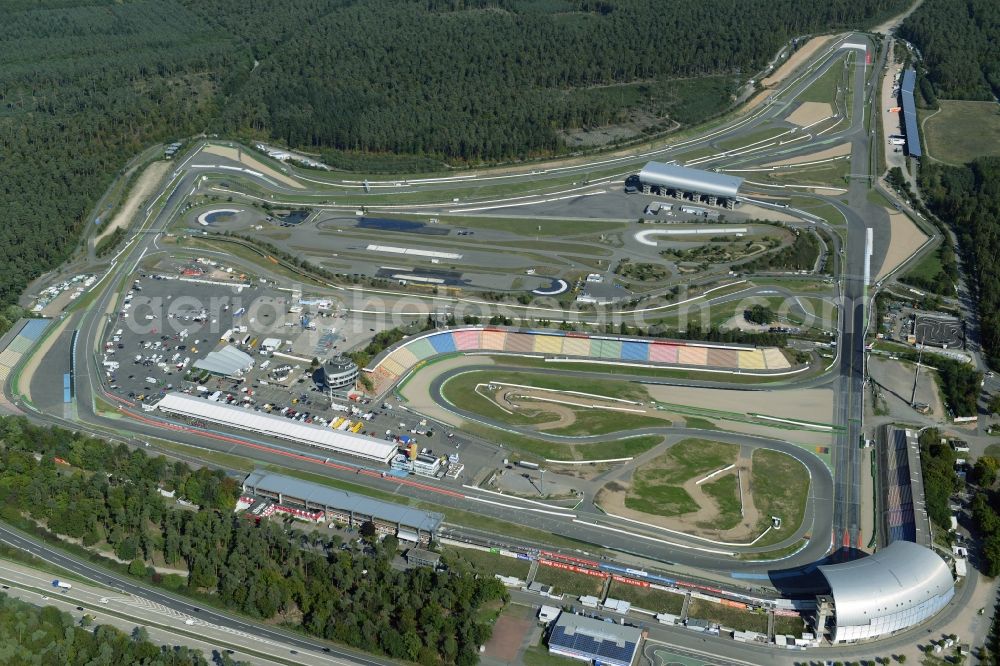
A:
617,605
426,465
548,613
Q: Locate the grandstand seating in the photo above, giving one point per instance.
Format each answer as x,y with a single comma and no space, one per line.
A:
391,366
897,511
19,344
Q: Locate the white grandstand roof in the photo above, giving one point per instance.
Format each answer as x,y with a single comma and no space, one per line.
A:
690,180
227,361
901,576
332,441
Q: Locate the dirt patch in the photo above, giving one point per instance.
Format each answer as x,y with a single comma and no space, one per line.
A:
757,100
840,150
895,21
809,113
904,239
256,165
141,191
508,637
739,323
761,213
561,415
798,58
804,404
612,499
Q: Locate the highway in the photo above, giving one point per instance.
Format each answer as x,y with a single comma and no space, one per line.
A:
327,652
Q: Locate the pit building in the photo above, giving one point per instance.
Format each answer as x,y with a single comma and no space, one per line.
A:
673,180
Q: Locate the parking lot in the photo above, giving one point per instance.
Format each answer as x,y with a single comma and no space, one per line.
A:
170,318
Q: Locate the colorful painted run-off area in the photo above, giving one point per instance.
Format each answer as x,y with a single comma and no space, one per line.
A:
386,369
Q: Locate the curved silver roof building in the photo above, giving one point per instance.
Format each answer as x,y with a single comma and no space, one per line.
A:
898,587
674,176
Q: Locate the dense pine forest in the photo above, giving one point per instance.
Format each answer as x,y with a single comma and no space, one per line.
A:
968,197
85,84
957,40
109,498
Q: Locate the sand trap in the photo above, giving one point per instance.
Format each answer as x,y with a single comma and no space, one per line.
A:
761,213
417,391
561,415
904,239
237,156
791,64
803,404
141,191
837,151
809,113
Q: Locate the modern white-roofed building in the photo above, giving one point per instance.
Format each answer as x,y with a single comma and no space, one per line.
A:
336,442
694,184
228,361
898,587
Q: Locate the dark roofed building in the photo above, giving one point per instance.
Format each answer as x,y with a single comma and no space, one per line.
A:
910,113
422,558
404,522
595,641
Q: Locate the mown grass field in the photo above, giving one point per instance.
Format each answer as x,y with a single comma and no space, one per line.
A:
484,563
569,582
962,131
540,449
461,391
648,598
726,493
927,269
833,174
824,89
656,488
780,487
789,625
727,616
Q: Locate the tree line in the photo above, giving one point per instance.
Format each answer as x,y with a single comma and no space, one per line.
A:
109,497
31,635
958,42
969,198
85,85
